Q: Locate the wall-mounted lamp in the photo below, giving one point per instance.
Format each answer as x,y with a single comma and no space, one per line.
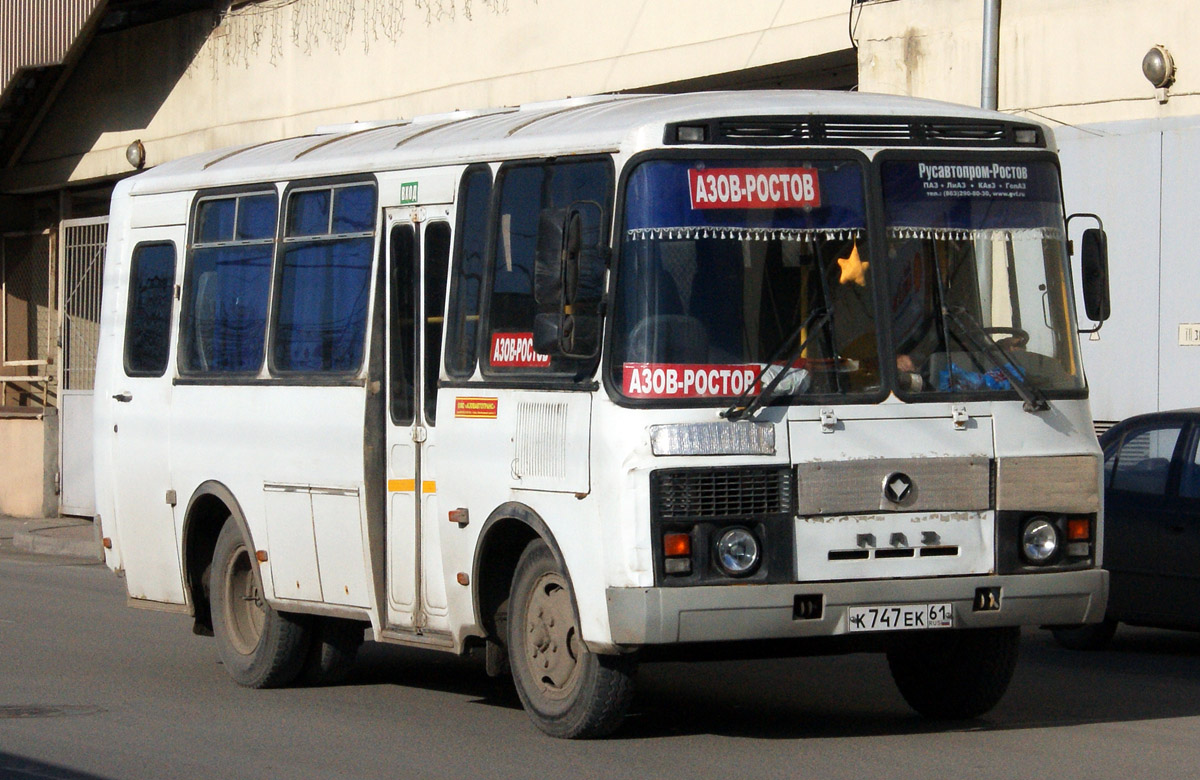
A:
1159,69
135,154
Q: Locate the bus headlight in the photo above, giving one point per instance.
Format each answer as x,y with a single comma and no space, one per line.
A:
737,552
1039,540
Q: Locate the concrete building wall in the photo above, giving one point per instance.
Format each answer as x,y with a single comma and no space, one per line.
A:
28,447
270,70
1062,61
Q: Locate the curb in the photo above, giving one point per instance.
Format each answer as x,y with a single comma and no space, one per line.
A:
70,540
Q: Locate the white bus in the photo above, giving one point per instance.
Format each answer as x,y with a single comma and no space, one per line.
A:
574,383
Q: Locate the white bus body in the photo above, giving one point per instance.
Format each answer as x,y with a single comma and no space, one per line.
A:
319,406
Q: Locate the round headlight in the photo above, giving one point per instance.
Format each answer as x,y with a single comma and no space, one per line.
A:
1039,540
737,552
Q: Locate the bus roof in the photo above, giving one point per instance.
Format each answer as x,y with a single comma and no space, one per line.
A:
601,123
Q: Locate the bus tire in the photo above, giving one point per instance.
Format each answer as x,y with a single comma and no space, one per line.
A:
567,690
1093,636
259,647
954,674
330,658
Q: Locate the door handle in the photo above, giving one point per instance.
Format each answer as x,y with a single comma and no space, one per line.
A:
124,396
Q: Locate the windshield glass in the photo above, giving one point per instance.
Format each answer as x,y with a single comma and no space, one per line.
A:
978,279
724,262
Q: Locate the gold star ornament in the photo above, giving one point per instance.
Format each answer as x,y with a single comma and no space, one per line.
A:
854,269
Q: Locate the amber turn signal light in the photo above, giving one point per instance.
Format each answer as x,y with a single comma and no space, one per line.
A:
1079,529
676,545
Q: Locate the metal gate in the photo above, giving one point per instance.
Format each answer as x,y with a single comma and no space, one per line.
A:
81,245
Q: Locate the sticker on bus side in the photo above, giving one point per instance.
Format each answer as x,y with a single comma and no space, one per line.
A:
515,350
754,188
476,408
685,380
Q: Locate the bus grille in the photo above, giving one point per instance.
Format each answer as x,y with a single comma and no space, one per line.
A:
721,493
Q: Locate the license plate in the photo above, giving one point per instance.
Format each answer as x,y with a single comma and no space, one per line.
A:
900,617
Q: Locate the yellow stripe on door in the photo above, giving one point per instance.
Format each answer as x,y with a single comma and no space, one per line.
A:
410,485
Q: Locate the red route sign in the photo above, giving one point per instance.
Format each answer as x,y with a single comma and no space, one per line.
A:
754,188
515,350
687,380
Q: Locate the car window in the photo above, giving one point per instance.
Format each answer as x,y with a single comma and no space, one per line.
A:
1110,460
1144,460
1189,480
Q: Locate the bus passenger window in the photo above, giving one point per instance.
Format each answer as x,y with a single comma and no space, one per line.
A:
148,317
462,327
321,300
437,260
226,285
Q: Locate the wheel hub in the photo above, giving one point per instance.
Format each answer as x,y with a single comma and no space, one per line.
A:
244,606
552,649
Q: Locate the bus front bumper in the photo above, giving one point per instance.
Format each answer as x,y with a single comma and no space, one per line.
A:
647,616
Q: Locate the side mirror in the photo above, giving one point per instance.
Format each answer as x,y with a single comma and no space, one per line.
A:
568,280
1094,273
1094,266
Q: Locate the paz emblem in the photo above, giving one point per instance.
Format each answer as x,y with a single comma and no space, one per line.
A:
897,487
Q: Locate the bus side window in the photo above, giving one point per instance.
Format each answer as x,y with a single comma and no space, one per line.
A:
437,260
226,285
148,317
320,315
462,326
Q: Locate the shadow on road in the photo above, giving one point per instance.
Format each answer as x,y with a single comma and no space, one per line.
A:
1146,675
20,768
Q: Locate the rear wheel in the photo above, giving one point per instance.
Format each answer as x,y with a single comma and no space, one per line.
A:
260,648
954,674
1094,636
568,690
330,658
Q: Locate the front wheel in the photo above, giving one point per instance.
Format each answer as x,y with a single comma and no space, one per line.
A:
567,690
260,648
954,674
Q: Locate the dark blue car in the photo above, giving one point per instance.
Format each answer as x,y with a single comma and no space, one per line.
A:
1151,526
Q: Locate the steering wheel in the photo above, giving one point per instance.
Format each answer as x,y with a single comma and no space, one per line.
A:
1014,338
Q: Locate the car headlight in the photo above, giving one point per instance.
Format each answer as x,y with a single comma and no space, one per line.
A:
737,552
1039,540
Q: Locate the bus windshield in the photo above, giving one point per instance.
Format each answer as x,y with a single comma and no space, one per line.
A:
733,270
978,282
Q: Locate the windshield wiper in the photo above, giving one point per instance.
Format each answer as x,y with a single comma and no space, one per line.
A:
814,322
977,338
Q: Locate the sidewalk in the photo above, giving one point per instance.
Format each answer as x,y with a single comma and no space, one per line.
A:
71,537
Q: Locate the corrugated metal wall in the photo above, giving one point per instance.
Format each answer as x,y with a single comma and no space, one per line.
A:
37,33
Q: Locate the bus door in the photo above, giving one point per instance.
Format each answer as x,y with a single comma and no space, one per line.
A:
418,254
141,402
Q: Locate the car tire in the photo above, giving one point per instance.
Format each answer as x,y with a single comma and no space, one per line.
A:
259,647
955,674
568,691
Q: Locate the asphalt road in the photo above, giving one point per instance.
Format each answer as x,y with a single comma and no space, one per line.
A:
90,688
